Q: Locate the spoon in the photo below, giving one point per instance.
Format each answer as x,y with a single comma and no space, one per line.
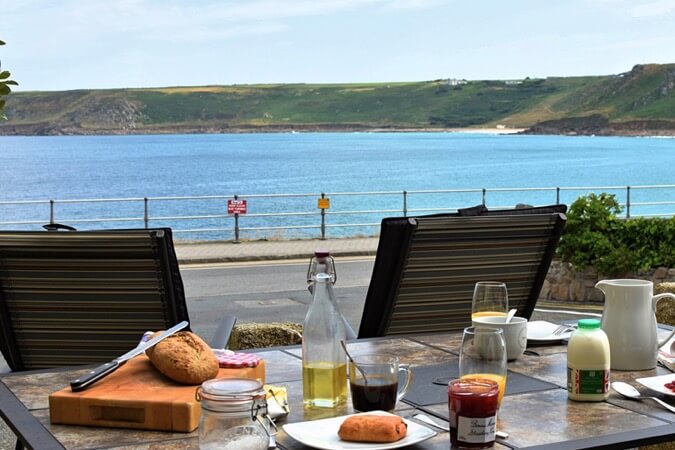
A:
629,391
351,360
510,315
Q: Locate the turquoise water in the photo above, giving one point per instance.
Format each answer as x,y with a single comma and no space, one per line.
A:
75,167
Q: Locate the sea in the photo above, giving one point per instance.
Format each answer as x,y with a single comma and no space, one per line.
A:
282,175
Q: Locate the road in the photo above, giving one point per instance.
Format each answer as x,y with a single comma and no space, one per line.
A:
273,291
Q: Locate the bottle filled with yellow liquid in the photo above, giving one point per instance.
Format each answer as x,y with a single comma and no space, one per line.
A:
324,384
324,368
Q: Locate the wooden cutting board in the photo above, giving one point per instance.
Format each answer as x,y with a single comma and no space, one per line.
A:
137,396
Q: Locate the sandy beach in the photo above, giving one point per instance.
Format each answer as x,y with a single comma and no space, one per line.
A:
494,130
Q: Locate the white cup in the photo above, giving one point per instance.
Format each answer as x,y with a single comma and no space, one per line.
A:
515,332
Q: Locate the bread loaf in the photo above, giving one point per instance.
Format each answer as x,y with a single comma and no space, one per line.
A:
373,428
184,357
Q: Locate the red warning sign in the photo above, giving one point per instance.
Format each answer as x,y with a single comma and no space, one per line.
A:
236,206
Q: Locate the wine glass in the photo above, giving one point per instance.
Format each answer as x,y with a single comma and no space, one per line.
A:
490,298
483,356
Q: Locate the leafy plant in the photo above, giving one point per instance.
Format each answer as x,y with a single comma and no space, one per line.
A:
5,84
590,222
595,236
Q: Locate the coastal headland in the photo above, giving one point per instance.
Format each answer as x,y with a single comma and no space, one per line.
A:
640,102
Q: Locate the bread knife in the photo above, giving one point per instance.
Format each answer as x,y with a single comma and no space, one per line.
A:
106,369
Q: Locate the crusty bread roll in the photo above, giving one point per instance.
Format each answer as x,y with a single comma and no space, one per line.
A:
184,357
373,428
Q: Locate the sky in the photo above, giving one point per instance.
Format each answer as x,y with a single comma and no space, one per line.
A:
77,44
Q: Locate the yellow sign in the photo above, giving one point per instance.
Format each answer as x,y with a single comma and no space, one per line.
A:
324,203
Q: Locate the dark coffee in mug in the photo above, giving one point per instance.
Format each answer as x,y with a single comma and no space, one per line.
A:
374,382
377,394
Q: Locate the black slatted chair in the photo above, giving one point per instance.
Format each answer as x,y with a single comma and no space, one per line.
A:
84,297
426,267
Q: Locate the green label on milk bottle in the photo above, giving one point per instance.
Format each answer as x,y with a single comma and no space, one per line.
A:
587,381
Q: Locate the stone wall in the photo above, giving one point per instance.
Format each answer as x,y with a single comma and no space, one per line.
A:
565,284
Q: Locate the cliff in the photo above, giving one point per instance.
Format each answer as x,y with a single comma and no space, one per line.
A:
638,102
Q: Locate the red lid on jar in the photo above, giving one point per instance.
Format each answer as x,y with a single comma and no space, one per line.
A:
322,253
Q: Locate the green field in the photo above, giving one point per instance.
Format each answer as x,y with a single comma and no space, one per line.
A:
642,95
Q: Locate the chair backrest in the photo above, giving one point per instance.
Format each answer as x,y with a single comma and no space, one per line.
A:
426,267
82,297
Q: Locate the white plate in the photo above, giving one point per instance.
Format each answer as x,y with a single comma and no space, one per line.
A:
542,331
323,434
657,383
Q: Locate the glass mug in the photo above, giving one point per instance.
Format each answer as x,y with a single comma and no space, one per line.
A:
373,381
490,298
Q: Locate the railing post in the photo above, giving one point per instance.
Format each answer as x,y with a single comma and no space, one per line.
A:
405,204
323,220
484,192
146,216
51,211
627,202
557,196
236,224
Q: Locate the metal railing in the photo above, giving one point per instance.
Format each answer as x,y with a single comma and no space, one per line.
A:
299,213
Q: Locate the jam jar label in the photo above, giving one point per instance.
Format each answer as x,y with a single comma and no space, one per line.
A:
476,430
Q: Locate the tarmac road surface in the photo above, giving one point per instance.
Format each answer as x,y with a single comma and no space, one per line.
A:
269,291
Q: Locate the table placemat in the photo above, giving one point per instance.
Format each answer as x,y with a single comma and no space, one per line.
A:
424,391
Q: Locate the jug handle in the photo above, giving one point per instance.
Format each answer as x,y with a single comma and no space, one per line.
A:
655,300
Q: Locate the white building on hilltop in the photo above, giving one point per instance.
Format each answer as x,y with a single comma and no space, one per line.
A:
455,82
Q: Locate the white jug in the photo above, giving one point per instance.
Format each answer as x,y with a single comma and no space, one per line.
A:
629,320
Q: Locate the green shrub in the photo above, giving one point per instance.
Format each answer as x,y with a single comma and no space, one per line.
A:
590,222
5,89
595,236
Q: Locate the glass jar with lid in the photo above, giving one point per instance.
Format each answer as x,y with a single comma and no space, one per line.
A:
233,410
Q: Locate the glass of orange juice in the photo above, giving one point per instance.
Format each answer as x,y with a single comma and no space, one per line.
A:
490,298
483,356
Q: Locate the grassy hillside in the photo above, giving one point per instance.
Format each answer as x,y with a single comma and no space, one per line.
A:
642,96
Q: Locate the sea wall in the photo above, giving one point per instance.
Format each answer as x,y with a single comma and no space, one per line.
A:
565,284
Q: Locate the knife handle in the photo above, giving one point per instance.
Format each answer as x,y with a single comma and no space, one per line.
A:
96,374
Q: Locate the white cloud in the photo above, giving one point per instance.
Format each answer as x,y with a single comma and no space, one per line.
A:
74,23
652,8
128,15
655,42
639,8
224,32
413,4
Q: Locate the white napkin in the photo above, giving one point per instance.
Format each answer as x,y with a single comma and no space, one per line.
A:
667,355
277,401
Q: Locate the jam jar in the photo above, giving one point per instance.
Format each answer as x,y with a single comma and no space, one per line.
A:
233,410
